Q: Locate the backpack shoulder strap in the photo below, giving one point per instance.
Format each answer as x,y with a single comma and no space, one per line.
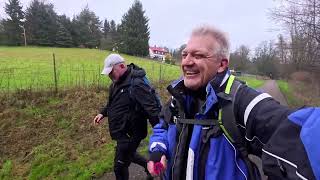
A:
226,118
230,126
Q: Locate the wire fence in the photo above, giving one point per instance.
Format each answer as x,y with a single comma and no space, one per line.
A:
60,75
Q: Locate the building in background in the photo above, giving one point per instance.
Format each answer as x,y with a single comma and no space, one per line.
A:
158,53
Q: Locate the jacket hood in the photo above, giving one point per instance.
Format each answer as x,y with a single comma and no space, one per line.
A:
136,70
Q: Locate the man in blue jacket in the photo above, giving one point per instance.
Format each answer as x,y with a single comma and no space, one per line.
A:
212,122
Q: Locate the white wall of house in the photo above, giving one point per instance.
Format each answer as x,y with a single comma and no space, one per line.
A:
156,55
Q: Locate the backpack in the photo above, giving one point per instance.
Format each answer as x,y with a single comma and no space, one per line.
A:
156,96
226,123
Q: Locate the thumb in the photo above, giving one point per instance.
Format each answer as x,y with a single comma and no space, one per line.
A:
164,161
150,167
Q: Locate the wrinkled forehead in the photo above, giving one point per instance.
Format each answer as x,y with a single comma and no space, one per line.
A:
201,43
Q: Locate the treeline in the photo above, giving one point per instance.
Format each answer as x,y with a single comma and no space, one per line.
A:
40,25
297,49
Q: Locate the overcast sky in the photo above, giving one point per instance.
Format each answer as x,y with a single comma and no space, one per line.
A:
171,21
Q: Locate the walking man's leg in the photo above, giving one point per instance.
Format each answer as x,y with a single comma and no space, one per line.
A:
139,159
122,161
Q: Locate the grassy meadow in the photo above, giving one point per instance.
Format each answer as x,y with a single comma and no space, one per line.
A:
300,93
51,136
252,82
32,68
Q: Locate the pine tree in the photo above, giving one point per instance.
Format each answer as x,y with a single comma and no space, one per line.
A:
134,31
63,37
113,28
107,42
87,26
106,28
41,23
13,25
67,29
3,38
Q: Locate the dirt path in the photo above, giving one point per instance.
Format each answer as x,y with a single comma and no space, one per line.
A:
272,88
137,173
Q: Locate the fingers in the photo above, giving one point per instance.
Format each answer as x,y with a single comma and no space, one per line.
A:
97,119
164,162
150,167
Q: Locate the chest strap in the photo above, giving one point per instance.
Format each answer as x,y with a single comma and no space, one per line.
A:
203,122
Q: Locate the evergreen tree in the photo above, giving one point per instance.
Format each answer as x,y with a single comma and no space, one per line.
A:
113,28
87,26
66,22
3,38
12,26
63,37
75,32
41,23
134,31
65,28
106,28
107,42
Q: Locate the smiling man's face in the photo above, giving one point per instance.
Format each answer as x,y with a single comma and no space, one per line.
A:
199,62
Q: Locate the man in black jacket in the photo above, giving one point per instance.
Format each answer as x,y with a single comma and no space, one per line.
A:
131,102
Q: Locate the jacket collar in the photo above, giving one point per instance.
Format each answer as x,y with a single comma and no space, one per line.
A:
216,85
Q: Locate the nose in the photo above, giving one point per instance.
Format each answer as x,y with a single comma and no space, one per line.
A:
188,60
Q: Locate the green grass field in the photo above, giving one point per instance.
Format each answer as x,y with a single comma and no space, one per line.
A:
287,91
252,82
32,68
299,93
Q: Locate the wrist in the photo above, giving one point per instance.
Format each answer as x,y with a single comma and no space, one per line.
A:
156,156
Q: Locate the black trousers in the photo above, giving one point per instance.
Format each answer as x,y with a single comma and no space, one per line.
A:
126,152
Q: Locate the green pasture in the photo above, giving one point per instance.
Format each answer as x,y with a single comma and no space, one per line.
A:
32,67
251,81
287,91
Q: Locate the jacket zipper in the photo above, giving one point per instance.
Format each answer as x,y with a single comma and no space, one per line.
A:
175,157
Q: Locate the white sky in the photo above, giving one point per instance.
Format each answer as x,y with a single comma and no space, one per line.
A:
246,21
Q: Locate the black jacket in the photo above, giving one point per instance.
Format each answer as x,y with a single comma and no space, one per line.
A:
131,102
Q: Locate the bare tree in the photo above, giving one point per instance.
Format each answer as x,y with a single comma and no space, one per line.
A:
239,60
266,60
301,19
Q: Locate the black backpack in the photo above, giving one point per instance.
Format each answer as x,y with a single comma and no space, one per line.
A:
150,89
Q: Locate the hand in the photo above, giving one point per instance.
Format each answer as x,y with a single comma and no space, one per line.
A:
98,119
152,166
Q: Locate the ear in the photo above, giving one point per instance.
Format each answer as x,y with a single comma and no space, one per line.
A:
223,65
122,66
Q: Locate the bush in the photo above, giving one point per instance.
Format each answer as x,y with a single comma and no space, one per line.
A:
301,76
168,58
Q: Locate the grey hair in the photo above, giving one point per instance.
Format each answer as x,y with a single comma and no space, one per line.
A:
219,36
